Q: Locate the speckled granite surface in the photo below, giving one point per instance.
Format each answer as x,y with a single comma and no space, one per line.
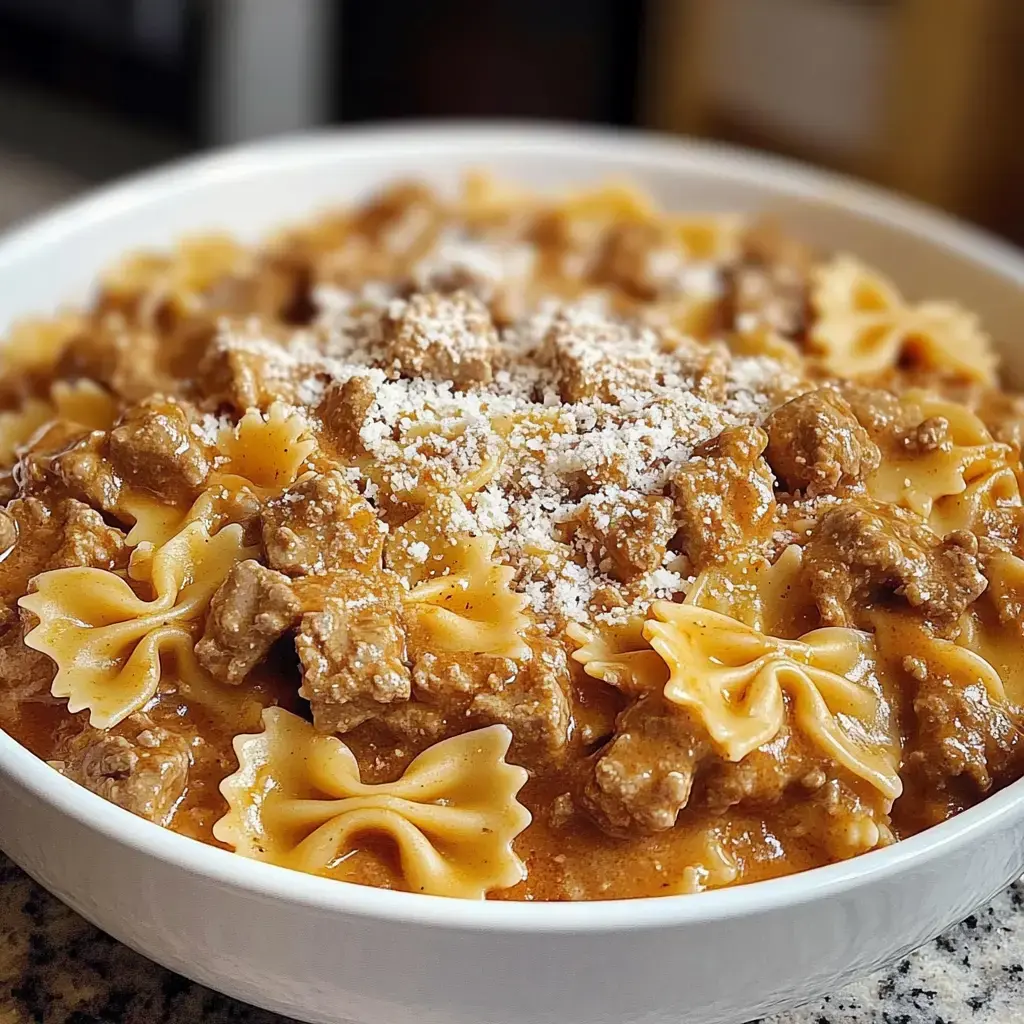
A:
56,969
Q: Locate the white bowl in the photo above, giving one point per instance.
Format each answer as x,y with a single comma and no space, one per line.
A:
329,951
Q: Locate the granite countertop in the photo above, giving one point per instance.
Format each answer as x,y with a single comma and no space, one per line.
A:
56,969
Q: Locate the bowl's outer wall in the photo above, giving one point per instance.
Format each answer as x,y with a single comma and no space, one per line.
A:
321,965
325,965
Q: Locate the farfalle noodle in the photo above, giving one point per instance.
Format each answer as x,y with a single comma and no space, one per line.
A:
992,629
865,326
200,262
107,642
472,608
80,402
267,450
263,455
419,549
33,343
766,596
619,655
18,426
918,480
297,801
736,680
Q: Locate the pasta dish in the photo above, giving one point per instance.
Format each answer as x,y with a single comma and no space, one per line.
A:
513,546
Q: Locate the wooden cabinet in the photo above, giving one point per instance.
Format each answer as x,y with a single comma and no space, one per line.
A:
920,95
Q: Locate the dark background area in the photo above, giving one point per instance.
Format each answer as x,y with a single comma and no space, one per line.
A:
920,95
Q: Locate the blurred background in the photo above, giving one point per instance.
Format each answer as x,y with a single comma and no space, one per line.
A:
922,96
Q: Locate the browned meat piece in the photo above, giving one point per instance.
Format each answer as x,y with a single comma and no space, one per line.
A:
642,779
343,410
248,365
126,360
534,705
596,358
25,674
87,474
960,731
529,696
816,445
85,539
415,724
276,287
138,766
887,422
763,776
321,524
878,412
403,219
624,259
775,296
724,496
8,531
233,377
251,609
352,652
770,284
442,337
68,534
626,533
862,552
154,447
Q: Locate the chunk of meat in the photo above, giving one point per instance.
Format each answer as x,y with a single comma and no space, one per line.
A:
321,524
770,284
276,287
878,411
530,696
343,411
598,358
138,766
862,552
625,533
154,447
403,219
441,337
816,445
8,531
85,471
352,652
892,425
67,534
25,674
724,496
85,538
126,359
764,776
625,258
642,779
960,732
534,705
251,609
496,270
249,365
